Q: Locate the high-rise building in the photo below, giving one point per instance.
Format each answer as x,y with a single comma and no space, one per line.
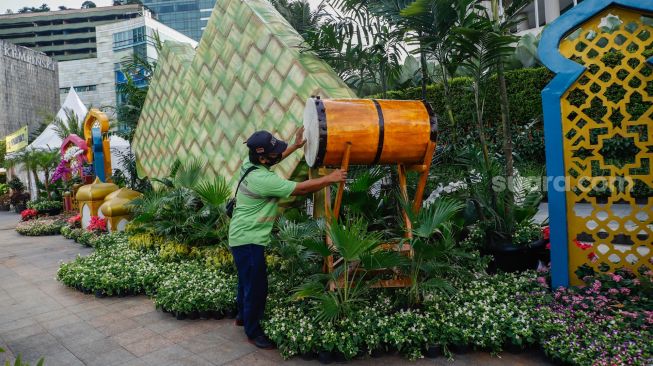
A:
186,16
66,34
91,45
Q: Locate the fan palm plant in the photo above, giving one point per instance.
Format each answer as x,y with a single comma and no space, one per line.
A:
437,257
187,208
357,250
289,241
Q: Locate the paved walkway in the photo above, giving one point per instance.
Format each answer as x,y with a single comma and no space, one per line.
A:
40,317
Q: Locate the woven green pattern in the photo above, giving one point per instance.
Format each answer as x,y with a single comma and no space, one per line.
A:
247,74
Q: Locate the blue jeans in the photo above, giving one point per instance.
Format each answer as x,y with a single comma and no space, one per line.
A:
252,286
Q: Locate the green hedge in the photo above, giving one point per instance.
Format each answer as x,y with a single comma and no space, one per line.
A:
524,88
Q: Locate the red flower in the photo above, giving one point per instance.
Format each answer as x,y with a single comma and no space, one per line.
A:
548,246
546,233
592,257
583,244
75,219
97,224
28,214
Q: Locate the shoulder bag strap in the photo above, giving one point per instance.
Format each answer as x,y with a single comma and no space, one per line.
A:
249,170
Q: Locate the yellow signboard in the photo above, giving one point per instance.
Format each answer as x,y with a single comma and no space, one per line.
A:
17,140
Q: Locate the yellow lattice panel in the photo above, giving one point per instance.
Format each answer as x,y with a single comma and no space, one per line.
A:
608,142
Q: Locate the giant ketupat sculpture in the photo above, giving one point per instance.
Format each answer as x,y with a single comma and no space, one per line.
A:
247,73
598,128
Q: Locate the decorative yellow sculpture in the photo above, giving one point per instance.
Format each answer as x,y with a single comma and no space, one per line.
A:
96,127
116,210
91,197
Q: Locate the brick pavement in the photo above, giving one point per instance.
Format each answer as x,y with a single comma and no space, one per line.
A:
39,317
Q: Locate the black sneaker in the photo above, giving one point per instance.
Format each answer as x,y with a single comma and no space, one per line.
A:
262,342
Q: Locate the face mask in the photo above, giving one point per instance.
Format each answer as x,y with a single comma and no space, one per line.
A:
272,160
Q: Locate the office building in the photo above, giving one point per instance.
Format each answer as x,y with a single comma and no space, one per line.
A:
91,45
30,87
186,16
64,35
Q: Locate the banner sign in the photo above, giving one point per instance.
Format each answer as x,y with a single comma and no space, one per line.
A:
17,140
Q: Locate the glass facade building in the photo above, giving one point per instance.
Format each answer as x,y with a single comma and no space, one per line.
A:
188,17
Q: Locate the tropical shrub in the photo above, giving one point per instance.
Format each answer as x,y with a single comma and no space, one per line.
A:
40,226
43,206
187,209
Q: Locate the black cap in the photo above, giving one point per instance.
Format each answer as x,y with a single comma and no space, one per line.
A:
262,142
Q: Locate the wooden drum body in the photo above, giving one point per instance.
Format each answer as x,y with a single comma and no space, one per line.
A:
380,131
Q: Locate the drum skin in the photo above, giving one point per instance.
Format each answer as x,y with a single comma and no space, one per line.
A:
380,131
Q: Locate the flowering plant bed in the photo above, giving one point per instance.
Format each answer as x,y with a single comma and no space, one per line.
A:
607,322
41,226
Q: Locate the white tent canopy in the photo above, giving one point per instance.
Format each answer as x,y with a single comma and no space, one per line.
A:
48,139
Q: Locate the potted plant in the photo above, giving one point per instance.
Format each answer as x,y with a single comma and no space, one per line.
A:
503,212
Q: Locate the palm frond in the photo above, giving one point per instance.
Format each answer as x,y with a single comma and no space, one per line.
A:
215,192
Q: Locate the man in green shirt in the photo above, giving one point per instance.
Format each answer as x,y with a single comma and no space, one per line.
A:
253,217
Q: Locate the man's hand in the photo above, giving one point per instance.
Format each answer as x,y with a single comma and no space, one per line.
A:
299,138
337,176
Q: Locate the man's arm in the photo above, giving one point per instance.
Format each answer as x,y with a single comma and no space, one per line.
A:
299,142
314,185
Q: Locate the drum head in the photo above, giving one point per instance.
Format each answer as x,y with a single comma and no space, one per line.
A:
311,132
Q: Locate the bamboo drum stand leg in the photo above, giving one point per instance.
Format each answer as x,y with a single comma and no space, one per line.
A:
336,206
341,186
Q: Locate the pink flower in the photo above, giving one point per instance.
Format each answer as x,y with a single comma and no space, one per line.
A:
613,291
596,285
625,291
636,282
97,224
542,281
616,278
546,233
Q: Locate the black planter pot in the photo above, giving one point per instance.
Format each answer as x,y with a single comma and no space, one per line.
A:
460,349
325,357
180,315
52,212
216,314
100,294
231,314
339,357
377,353
308,356
509,257
87,291
433,351
194,315
513,348
205,314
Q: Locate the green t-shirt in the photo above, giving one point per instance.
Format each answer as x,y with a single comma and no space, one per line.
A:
257,206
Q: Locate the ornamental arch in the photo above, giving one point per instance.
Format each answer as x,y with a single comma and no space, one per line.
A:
598,114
